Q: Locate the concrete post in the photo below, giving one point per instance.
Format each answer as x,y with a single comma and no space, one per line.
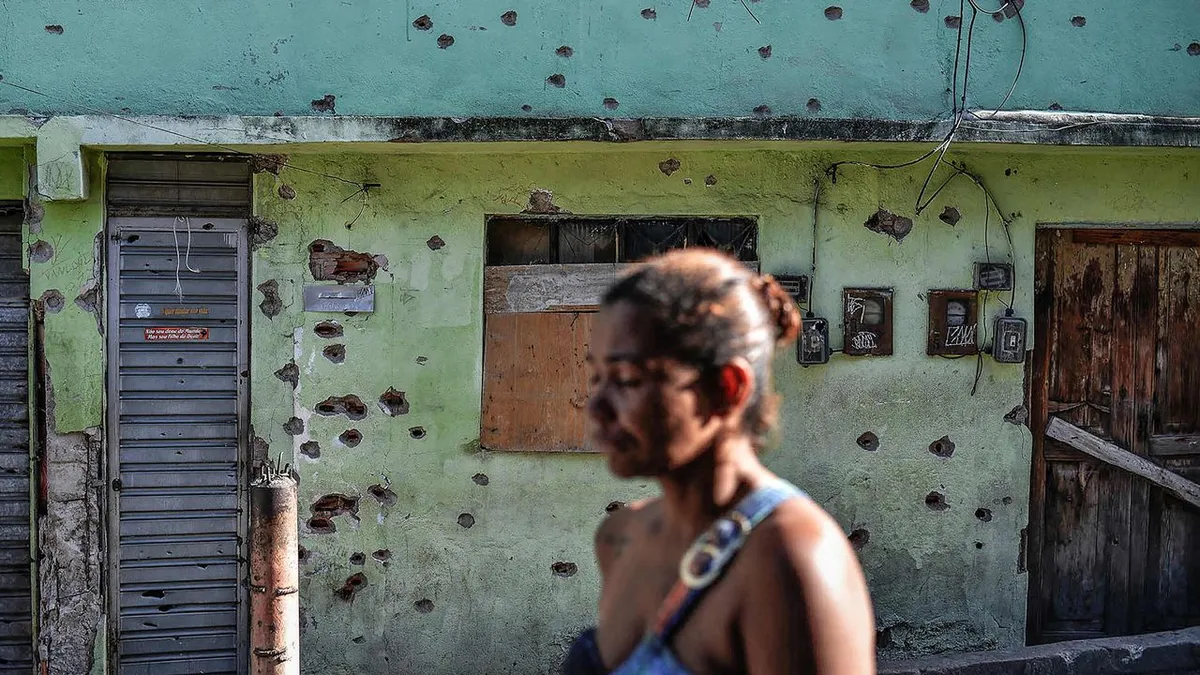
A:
274,575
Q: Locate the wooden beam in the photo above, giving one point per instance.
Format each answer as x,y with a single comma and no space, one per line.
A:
1103,235
1123,459
515,289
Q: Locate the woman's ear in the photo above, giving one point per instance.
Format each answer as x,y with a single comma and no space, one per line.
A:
735,385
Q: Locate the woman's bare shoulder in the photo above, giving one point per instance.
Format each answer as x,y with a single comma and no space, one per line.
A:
621,527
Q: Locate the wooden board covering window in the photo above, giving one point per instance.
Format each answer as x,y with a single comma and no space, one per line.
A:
535,381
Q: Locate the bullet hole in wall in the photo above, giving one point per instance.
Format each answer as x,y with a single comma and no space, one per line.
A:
1019,415
445,41
649,14
423,22
359,640
979,544
329,262
1079,21
669,166
526,108
383,555
686,181
421,360
936,501
765,51
950,216
267,163
859,538
942,447
335,353
335,504
1056,106
614,506
303,555
310,449
328,330
435,243
466,520
1194,49
813,105
53,301
564,569
710,180
358,558
868,441
54,29
350,438
762,111
40,251
921,6
321,525
953,22
325,104
509,18
424,605
1006,501
287,192
702,4
565,51
260,231
383,494
294,426
354,583
480,479
349,405
271,304
833,13
984,515
416,433
611,103
289,373
393,402
890,224
557,80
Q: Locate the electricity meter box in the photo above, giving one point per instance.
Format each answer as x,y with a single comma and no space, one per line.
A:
813,346
1008,345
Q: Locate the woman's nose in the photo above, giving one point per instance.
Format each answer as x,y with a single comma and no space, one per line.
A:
598,406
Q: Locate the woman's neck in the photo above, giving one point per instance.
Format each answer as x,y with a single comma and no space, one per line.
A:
697,494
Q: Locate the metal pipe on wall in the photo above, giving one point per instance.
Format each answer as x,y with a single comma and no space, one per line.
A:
274,574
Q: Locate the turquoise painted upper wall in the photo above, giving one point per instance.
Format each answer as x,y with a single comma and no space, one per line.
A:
881,60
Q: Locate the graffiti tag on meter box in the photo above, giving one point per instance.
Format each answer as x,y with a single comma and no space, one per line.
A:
175,334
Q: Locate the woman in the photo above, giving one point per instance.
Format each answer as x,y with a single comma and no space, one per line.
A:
731,570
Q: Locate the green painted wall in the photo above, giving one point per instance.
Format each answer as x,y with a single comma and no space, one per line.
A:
496,606
74,343
12,173
940,580
878,60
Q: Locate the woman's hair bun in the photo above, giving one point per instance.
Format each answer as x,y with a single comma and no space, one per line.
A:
782,312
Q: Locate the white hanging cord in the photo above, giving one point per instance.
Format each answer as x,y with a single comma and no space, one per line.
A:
187,256
175,235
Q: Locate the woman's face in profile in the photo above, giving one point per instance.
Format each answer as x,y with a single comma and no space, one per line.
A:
646,411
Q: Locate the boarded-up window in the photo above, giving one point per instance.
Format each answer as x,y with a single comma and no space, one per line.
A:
542,285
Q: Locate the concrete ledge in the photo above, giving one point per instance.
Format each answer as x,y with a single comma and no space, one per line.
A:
1176,652
59,139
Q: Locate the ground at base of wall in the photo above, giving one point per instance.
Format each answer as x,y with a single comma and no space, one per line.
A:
1175,652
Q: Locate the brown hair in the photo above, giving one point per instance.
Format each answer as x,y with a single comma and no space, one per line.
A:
705,308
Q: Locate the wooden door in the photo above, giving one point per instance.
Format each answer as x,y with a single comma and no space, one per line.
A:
1118,316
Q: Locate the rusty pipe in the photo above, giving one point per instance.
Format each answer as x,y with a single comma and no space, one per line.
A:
274,575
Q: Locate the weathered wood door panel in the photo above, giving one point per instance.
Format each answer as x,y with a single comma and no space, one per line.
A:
1117,318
